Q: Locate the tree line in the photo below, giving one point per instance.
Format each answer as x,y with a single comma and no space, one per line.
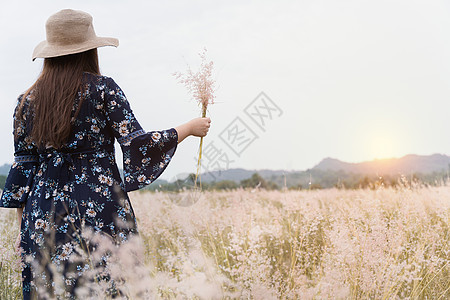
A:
305,180
308,180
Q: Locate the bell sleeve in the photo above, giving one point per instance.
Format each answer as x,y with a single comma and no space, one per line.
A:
19,182
145,154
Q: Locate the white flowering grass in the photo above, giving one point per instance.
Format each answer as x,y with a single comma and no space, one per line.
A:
10,266
201,85
326,244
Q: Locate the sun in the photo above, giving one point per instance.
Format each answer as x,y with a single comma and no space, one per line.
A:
382,141
382,146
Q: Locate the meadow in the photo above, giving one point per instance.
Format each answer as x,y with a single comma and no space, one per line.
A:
385,243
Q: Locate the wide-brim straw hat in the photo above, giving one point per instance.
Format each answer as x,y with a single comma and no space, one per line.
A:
69,32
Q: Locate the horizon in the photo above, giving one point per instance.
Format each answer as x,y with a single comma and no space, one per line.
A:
325,158
186,173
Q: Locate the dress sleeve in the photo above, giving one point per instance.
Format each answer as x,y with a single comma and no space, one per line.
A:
145,154
20,178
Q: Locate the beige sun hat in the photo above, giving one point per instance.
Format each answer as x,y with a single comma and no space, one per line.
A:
69,32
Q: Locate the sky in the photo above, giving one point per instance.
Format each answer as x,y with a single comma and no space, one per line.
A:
353,80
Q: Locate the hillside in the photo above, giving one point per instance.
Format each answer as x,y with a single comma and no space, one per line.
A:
331,172
4,169
409,164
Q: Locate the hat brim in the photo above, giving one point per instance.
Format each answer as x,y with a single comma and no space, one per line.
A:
46,50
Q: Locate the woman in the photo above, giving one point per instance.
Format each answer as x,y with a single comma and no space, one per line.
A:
65,181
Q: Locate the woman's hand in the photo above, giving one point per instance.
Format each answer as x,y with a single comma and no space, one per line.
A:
196,127
200,126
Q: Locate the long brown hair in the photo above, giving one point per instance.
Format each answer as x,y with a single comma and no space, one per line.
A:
52,97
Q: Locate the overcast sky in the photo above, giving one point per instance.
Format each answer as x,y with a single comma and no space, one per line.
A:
353,80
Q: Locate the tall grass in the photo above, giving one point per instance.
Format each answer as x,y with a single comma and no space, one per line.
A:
378,244
10,269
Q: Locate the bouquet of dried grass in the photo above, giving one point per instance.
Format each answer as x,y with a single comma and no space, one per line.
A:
201,86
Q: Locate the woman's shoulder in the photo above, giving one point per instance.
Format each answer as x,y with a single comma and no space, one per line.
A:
101,81
27,99
96,77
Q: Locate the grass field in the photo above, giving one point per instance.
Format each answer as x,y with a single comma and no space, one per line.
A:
336,244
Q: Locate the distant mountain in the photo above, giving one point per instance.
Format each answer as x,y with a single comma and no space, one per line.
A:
4,169
328,172
408,164
331,172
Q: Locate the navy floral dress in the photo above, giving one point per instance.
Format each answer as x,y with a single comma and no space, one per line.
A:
79,188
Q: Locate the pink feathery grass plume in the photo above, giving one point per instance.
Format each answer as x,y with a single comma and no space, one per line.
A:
201,86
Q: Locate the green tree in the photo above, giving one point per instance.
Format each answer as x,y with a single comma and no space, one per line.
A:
2,181
257,181
224,185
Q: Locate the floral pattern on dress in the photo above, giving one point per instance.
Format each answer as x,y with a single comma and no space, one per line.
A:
77,190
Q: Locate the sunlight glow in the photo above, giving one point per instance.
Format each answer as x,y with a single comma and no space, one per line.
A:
383,145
